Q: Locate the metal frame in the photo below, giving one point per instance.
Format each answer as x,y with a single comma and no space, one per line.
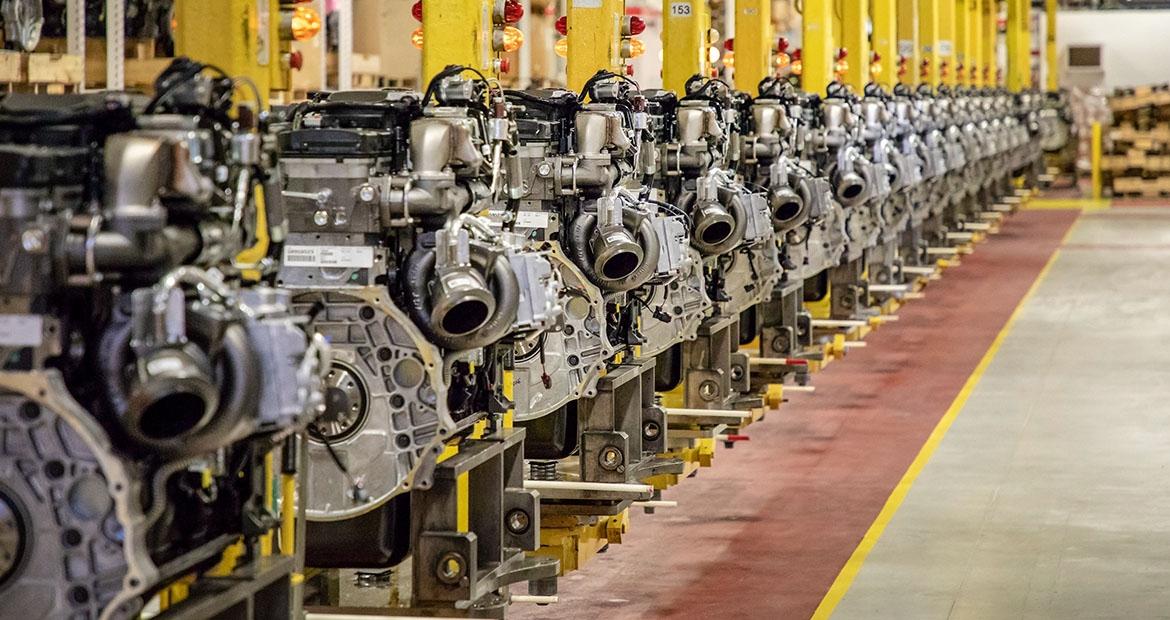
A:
817,51
855,39
685,26
344,44
456,32
885,40
594,39
908,49
753,42
115,44
946,42
1019,46
463,558
928,40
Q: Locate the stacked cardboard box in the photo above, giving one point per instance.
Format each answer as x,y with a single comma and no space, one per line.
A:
1136,157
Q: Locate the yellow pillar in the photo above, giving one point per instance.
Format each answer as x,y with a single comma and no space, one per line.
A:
990,64
1095,160
818,49
457,32
753,43
594,38
1019,45
855,39
928,40
975,43
908,41
946,41
1052,61
684,41
962,41
234,36
885,40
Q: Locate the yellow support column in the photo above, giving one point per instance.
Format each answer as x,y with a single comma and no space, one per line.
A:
885,42
684,42
457,32
975,43
990,64
1095,160
907,41
1019,45
594,38
962,41
753,43
946,42
928,40
1052,60
242,37
855,39
818,49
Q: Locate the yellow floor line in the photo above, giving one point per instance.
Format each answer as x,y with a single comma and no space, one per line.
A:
849,572
1070,204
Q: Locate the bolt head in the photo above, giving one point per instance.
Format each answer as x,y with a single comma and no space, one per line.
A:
367,193
610,458
708,390
651,430
518,521
320,217
34,241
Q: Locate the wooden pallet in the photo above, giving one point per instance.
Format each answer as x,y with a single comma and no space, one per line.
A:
39,72
1141,186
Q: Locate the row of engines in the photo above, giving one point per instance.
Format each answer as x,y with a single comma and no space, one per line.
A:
404,291
578,269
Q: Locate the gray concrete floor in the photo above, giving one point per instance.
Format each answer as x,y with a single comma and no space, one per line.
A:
1050,495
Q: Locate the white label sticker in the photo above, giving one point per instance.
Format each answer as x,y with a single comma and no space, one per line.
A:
21,330
531,219
946,48
906,47
680,9
586,4
328,256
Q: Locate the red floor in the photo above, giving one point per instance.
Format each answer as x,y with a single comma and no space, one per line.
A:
764,532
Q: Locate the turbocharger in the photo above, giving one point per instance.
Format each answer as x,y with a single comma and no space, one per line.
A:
614,245
789,196
850,187
462,294
718,214
187,377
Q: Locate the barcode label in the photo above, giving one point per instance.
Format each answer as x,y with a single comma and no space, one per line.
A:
358,257
531,219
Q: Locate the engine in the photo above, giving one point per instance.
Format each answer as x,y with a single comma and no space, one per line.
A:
148,368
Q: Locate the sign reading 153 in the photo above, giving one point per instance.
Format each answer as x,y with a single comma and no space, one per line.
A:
680,9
